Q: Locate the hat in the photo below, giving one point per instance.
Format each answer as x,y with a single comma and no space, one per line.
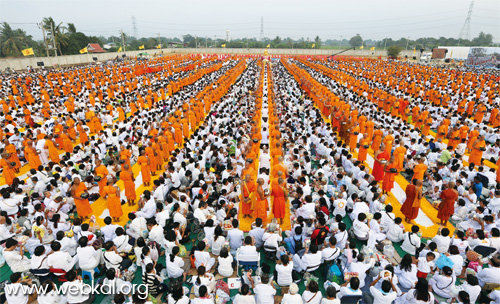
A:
294,289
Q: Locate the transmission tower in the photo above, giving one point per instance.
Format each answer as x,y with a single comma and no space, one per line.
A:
465,32
261,28
134,27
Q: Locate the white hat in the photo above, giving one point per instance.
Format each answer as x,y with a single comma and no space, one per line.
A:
294,289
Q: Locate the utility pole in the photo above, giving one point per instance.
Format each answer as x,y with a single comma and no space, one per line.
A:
261,28
465,31
407,41
227,35
53,39
44,38
206,42
385,42
134,26
123,40
159,40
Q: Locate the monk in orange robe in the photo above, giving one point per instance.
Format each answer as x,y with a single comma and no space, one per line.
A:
279,194
9,172
248,196
81,202
102,172
419,170
32,155
399,156
261,204
364,144
145,164
53,153
478,147
127,176
112,196
11,151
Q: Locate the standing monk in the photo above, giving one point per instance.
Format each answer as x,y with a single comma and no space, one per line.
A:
8,169
127,176
248,196
112,196
261,205
80,195
412,203
143,160
447,206
102,172
478,147
381,156
280,195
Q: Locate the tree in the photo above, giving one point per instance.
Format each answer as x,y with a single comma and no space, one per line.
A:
356,41
12,42
276,40
394,50
317,42
482,39
61,39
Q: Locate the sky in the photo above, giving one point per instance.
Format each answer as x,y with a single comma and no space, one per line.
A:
328,19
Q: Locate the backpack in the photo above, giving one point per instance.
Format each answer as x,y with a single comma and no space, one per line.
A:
298,244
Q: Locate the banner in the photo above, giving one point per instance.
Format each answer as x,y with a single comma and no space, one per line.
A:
484,56
84,50
28,52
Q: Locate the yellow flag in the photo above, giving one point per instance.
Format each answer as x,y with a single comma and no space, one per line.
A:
223,45
372,49
141,47
28,52
314,44
83,51
414,50
120,49
268,45
158,46
361,47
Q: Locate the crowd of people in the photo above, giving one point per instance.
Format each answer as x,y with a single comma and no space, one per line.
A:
174,172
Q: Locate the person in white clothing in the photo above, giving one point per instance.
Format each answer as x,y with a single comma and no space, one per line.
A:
361,267
16,282
202,257
443,283
395,231
312,295
264,292
108,231
442,240
411,241
176,266
16,259
88,257
387,294
490,274
292,297
226,263
60,259
406,272
352,290
203,279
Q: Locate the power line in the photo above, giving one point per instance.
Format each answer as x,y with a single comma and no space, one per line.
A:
465,31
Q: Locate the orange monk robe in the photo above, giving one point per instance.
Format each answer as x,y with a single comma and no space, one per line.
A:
113,202
145,170
249,189
129,184
159,153
280,167
377,139
354,137
418,171
476,154
53,154
261,207
66,143
473,135
8,173
83,135
121,114
150,153
185,127
82,205
369,128
11,149
32,158
102,171
364,142
165,152
399,156
178,133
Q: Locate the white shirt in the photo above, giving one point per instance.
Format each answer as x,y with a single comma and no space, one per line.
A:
361,269
410,243
235,237
442,242
291,299
149,209
15,298
75,297
240,299
380,298
360,228
86,257
311,298
488,275
264,293
284,274
60,260
109,232
174,269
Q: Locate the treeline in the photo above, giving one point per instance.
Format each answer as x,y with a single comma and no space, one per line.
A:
64,39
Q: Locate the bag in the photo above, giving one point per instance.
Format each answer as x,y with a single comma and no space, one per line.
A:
223,286
182,251
334,274
153,254
444,261
298,244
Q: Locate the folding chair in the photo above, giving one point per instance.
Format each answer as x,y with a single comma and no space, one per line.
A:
247,261
350,299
